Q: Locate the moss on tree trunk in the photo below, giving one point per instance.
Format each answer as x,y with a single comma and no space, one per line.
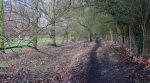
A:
1,26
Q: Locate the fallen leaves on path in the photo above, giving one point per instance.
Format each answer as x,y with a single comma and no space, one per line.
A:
36,67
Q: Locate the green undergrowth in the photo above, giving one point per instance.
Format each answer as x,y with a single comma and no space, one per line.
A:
81,41
43,41
23,44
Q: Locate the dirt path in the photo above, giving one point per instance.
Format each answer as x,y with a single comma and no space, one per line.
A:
108,66
71,63
94,73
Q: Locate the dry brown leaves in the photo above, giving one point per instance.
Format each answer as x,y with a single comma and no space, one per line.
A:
33,66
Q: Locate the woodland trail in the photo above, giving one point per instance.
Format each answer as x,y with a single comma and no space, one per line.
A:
107,68
99,62
94,73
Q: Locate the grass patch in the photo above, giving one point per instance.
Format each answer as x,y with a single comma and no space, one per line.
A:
14,43
7,63
86,61
81,41
3,64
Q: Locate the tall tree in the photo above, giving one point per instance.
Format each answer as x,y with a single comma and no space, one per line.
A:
1,25
30,14
54,9
36,17
130,16
133,14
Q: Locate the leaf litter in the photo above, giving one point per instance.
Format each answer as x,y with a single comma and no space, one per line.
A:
35,67
69,63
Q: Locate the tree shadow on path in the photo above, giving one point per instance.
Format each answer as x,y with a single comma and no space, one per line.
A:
94,74
101,71
93,62
111,69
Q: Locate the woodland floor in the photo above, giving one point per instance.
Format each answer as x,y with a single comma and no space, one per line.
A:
100,61
108,64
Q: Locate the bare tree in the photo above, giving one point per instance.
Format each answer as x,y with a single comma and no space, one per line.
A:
87,20
1,26
54,9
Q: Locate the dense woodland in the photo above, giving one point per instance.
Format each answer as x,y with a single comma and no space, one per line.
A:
40,24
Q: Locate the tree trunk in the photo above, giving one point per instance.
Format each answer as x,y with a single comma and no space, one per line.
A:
124,38
35,27
143,50
120,36
121,40
67,35
35,37
53,39
139,44
91,37
63,39
1,26
52,21
130,38
111,34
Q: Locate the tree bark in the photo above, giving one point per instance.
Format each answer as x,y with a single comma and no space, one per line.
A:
1,26
130,38
35,27
111,34
53,39
67,35
35,38
143,50
91,37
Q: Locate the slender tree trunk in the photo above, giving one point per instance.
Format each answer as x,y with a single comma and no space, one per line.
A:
35,27
63,39
52,21
120,36
121,40
35,37
91,37
67,37
1,26
143,50
19,37
130,38
124,38
67,34
111,34
88,36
